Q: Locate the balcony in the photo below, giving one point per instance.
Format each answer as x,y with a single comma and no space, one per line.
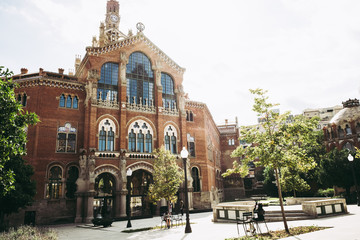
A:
137,155
107,154
142,106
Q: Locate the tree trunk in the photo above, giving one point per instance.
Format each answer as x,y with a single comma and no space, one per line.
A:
294,194
281,201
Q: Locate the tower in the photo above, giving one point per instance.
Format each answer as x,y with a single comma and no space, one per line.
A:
109,31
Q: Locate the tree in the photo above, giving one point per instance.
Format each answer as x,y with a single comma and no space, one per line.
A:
13,122
291,181
278,142
335,170
24,188
167,177
16,188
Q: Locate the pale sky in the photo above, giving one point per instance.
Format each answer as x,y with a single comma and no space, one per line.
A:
305,52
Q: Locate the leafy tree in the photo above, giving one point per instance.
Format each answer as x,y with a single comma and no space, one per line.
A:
24,188
277,143
16,188
269,187
291,181
167,177
335,170
13,122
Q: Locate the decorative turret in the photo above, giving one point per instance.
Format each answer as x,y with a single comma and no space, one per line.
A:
351,103
109,30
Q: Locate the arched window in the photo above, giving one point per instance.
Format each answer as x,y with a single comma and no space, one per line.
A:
24,99
358,128
19,98
348,130
173,144
54,186
140,80
62,101
106,135
68,101
167,142
102,139
108,83
66,139
110,140
132,141
72,176
148,142
340,132
189,116
138,140
191,145
75,102
170,138
196,179
168,95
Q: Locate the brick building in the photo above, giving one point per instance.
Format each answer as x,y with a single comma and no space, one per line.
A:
125,99
342,132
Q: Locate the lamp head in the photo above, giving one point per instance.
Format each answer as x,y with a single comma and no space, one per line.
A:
184,153
350,157
129,172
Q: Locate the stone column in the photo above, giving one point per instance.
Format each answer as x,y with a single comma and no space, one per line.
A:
90,206
123,194
79,208
190,194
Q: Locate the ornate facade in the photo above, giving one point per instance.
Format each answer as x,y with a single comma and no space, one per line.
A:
343,130
125,100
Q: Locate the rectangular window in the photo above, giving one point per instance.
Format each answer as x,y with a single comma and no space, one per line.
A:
192,149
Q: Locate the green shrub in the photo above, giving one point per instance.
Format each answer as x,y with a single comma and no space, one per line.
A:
325,192
29,233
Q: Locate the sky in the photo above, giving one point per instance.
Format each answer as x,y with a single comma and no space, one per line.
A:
305,53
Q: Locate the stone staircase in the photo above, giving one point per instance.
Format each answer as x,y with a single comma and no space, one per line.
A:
291,215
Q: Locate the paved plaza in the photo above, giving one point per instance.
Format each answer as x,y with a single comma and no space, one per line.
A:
342,227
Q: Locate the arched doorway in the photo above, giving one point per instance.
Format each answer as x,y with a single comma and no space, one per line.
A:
140,204
104,196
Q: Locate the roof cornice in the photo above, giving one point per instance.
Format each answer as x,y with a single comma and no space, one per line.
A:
131,40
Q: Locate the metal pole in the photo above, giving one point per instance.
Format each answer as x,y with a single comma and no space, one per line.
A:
187,228
128,209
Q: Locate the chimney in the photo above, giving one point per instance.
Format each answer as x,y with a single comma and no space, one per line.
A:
226,122
41,71
61,71
23,70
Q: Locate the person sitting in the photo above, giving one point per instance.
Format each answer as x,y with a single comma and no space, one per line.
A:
260,212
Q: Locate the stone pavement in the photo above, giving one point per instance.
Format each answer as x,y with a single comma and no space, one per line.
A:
342,227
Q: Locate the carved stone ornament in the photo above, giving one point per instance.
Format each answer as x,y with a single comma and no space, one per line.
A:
123,61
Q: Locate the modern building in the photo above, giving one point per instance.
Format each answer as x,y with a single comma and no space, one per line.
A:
325,114
125,99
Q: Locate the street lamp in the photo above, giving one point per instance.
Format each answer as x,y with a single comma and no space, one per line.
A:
184,155
351,159
128,186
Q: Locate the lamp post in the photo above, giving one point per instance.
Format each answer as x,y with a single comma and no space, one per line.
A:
184,155
128,186
351,159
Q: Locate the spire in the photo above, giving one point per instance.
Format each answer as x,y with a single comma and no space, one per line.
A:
109,30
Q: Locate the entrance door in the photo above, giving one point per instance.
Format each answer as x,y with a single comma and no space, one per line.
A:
140,204
105,195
